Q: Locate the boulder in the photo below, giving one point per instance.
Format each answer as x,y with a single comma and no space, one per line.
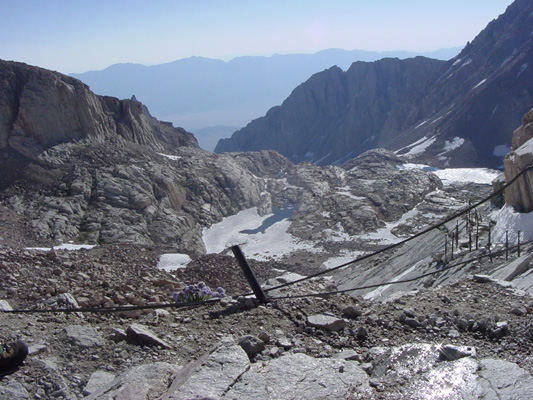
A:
83,336
326,322
139,383
138,333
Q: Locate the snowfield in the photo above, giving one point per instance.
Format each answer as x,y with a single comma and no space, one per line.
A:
172,262
275,242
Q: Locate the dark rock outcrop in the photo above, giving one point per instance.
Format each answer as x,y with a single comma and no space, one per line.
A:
473,102
335,115
40,109
457,113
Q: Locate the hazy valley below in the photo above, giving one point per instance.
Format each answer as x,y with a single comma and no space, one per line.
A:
383,202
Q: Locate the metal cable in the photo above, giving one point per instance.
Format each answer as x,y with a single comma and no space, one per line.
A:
494,254
423,232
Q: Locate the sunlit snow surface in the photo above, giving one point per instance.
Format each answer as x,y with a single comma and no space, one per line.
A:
510,221
448,176
274,243
464,175
172,262
67,246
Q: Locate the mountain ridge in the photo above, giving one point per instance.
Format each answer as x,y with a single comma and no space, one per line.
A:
461,116
199,92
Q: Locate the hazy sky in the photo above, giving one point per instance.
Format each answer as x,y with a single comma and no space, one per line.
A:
80,35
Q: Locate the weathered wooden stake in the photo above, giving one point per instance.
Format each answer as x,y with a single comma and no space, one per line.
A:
249,274
518,248
506,245
452,249
446,248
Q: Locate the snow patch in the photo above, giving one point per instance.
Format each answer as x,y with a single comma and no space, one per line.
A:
508,58
411,166
456,62
170,156
420,148
273,243
454,144
385,235
464,175
507,219
172,262
480,83
67,246
345,257
420,124
526,148
345,191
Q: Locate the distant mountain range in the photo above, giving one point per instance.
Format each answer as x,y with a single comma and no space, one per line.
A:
455,113
197,93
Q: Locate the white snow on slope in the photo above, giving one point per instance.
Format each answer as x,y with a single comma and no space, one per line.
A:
522,69
507,219
66,246
384,235
274,243
464,175
479,84
172,262
454,144
420,148
170,156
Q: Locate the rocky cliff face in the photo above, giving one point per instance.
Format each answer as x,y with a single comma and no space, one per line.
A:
468,108
40,109
457,113
335,115
101,170
76,166
520,195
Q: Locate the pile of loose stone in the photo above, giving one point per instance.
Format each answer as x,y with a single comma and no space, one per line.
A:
74,354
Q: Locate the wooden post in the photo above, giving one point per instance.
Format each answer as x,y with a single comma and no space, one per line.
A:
446,248
518,248
457,235
506,245
249,274
452,249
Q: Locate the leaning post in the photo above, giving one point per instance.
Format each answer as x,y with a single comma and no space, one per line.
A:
249,274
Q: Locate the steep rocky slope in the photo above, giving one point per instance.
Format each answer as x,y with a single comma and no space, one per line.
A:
457,113
199,92
90,169
470,106
40,109
335,115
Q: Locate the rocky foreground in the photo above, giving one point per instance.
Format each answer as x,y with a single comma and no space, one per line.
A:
471,339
